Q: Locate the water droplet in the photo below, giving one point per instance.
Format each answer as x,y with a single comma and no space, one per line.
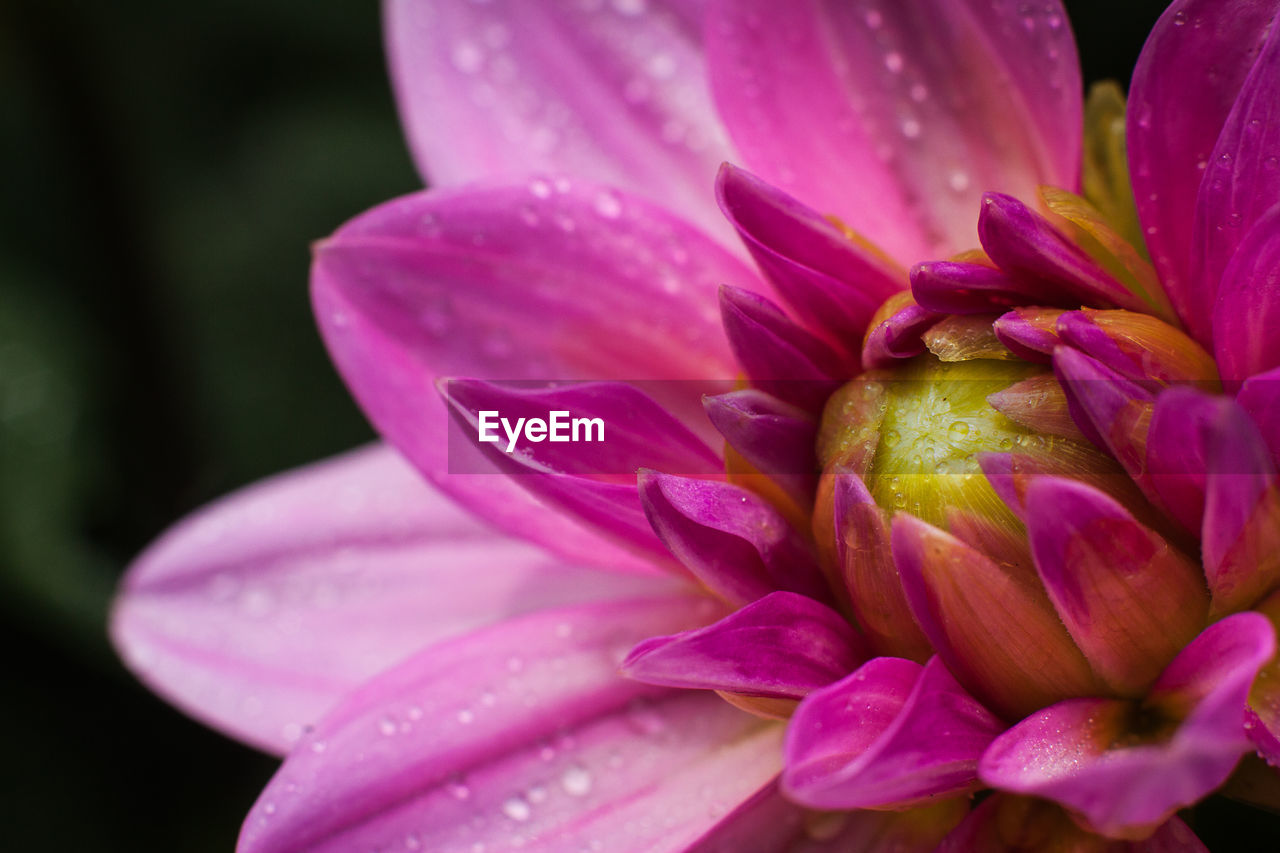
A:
467,57
536,794
457,789
540,188
958,180
1180,19
911,128
528,215
387,726
517,809
466,716
576,781
608,205
891,438
919,93
318,747
630,7
893,61
873,18
958,430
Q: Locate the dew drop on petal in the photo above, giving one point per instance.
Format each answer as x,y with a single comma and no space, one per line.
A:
576,781
517,809
608,205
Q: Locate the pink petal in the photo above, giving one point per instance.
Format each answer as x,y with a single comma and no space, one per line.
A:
1030,332
915,105
1066,752
967,288
833,284
1176,112
732,540
1129,599
1260,397
890,735
1110,410
1248,306
458,283
1240,537
783,645
522,730
898,335
256,614
614,93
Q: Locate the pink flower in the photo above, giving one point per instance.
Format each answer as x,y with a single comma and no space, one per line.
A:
1022,557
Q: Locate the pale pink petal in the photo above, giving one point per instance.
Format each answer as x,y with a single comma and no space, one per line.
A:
1185,84
460,283
257,614
520,731
897,116
613,92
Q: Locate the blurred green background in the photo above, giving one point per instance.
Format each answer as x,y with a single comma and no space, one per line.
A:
169,164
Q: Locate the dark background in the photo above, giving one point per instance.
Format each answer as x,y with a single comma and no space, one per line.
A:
168,165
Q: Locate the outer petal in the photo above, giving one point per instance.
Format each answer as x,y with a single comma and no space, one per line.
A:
612,92
258,613
1080,753
460,283
1248,306
732,540
519,731
897,116
889,735
1176,113
1130,600
784,645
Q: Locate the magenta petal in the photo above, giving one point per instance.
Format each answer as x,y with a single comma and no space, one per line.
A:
1177,458
952,287
1064,753
782,646
830,282
1176,113
1248,307
777,438
522,730
1027,340
459,283
1129,599
1105,406
732,540
1239,537
891,734
635,431
257,614
1023,244
620,99
862,112
898,336
1260,397
1241,185
779,356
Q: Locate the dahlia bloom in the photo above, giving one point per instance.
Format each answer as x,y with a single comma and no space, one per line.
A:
893,509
